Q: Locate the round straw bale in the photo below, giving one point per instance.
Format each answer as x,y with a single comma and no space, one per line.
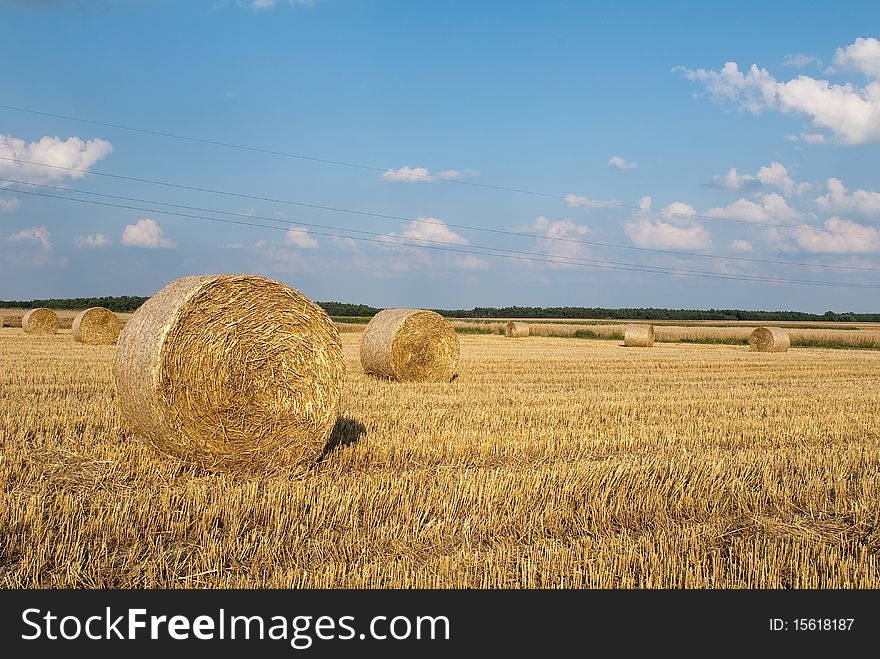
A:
231,372
515,330
639,335
769,339
410,345
96,325
40,321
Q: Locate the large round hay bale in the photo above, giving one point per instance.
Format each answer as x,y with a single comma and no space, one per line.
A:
40,321
410,345
638,336
516,330
96,326
231,372
769,339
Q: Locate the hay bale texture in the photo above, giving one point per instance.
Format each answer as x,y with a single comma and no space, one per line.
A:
231,372
769,339
96,326
638,336
410,345
40,321
516,330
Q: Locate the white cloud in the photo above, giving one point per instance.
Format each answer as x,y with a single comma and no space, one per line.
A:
839,237
573,200
850,113
619,163
471,263
73,153
659,234
92,240
408,174
838,200
741,246
263,4
35,235
426,229
677,211
30,247
770,208
800,60
147,234
299,237
861,55
773,175
645,203
9,204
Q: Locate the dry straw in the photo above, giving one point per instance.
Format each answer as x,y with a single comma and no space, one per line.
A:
231,372
96,326
769,339
40,321
410,345
516,330
638,336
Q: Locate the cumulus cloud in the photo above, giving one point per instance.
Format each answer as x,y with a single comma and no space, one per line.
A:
838,200
619,163
773,175
147,234
9,204
799,60
299,237
573,200
645,203
73,153
741,246
851,114
672,228
425,230
31,247
840,236
562,236
92,240
770,208
408,174
861,55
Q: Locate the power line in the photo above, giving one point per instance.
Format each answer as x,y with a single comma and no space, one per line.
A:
423,221
427,177
474,249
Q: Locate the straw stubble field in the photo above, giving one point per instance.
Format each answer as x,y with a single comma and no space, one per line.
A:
548,463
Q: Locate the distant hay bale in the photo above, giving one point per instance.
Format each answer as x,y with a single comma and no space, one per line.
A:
410,345
769,339
516,330
40,321
638,336
231,372
96,326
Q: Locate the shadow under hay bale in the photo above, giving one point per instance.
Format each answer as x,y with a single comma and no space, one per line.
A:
346,432
769,339
96,326
410,345
231,372
40,321
516,330
638,336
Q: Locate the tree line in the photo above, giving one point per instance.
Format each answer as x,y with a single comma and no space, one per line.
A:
129,303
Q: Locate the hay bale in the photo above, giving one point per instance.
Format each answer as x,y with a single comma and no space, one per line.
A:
769,339
516,330
96,326
231,372
640,335
410,345
40,321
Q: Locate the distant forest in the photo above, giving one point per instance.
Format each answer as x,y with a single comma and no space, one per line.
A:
127,303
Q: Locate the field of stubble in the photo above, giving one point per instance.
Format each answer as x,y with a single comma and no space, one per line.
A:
549,462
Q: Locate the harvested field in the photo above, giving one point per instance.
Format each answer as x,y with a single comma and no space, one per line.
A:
570,464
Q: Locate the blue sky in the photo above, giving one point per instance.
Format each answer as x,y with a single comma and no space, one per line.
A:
653,108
